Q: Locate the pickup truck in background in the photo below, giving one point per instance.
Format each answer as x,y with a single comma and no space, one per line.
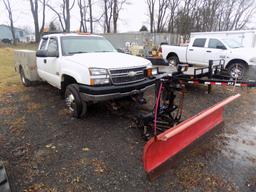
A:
202,49
85,68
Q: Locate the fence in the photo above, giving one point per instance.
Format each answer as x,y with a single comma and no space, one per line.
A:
119,40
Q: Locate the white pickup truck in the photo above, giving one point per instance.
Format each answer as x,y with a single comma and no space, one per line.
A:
85,68
202,49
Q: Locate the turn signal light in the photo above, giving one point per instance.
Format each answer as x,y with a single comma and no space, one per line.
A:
91,82
149,72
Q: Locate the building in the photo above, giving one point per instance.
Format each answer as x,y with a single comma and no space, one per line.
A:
5,33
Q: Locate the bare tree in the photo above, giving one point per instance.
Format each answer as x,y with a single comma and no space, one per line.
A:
34,10
161,17
186,16
173,9
115,15
9,9
83,15
151,11
64,14
91,17
108,13
238,13
117,7
85,8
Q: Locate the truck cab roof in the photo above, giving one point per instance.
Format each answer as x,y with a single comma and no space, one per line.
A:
69,34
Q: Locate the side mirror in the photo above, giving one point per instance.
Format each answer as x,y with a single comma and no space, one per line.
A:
45,53
41,53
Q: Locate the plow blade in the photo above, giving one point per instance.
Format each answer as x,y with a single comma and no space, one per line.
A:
167,144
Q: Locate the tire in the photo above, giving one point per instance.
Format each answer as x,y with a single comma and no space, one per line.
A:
237,70
23,78
173,60
4,184
74,103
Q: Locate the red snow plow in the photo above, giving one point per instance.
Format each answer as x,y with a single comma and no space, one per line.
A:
164,146
165,131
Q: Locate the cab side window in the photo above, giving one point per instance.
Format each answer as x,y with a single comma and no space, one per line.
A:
216,44
200,42
43,44
53,45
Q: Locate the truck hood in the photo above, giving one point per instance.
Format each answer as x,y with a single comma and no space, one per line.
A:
110,60
244,52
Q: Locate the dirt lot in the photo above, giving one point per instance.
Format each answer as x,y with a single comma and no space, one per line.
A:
45,149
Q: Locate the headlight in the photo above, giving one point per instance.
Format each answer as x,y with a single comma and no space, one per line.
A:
99,76
99,81
98,71
253,60
152,71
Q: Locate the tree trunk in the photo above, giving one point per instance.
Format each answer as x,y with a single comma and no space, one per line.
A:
13,32
9,10
107,24
115,16
91,18
67,21
34,11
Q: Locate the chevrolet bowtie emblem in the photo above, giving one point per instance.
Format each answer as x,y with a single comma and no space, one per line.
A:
132,73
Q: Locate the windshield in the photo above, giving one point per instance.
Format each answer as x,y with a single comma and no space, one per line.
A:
85,44
233,44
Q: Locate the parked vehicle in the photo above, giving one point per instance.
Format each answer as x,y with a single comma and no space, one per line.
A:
202,49
85,68
6,41
246,37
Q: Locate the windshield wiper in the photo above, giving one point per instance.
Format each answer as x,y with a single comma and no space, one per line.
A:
76,52
102,51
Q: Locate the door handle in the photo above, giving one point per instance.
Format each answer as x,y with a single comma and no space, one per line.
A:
208,51
191,49
45,61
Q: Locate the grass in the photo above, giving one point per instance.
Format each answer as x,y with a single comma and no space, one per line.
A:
30,46
7,75
9,79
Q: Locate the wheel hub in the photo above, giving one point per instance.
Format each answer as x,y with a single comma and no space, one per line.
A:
70,102
23,79
236,72
172,62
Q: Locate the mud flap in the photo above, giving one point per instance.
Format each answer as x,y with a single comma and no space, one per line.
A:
169,143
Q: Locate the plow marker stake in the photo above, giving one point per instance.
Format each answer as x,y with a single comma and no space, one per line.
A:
167,144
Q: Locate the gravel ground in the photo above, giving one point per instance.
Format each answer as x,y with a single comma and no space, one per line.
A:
44,149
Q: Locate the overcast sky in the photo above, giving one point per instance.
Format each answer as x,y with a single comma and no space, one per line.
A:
132,17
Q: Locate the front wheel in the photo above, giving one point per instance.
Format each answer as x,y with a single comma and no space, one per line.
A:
74,103
237,70
173,61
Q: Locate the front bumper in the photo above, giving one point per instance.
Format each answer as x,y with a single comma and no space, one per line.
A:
89,93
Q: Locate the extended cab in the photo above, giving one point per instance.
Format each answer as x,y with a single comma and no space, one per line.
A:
85,68
202,49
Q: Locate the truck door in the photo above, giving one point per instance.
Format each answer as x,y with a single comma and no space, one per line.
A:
40,60
52,63
48,67
215,50
196,51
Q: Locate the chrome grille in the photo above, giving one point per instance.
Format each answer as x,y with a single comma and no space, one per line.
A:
126,76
